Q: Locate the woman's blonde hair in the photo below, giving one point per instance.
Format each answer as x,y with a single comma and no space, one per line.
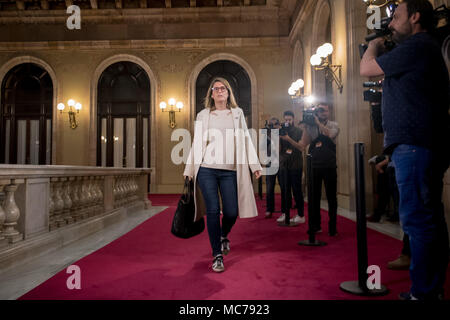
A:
209,101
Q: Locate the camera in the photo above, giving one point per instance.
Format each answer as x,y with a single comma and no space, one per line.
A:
373,84
372,95
382,31
309,116
284,129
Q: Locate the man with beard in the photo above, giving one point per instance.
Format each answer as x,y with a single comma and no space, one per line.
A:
416,126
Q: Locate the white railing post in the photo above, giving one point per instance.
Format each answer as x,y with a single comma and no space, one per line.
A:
3,240
12,212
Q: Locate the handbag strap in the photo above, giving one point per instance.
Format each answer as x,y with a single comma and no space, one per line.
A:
187,189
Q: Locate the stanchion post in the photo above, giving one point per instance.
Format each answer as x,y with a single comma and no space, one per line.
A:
360,287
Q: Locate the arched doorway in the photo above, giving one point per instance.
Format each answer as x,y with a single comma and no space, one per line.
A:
123,115
26,115
236,76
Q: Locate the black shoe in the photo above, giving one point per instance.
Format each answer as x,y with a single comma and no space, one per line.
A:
333,234
218,264
406,296
225,246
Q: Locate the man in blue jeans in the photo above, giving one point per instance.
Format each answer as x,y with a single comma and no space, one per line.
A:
416,126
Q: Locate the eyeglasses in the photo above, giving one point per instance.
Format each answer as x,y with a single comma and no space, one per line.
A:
218,89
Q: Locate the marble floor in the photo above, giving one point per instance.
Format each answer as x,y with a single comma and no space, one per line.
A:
17,281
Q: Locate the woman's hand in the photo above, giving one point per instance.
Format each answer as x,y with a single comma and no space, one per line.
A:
258,174
187,177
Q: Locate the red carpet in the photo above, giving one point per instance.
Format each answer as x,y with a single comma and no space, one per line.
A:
265,263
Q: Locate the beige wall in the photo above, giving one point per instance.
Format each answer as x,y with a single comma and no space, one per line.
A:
348,29
74,68
173,62
350,111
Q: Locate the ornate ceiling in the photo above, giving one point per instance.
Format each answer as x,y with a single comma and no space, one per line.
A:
148,19
128,4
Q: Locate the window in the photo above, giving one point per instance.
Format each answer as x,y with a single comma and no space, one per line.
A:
123,115
26,116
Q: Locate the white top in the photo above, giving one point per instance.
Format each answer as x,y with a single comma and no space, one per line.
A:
220,150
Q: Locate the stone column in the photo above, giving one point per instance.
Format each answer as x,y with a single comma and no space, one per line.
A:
12,213
91,203
82,197
75,198
88,199
67,199
101,184
141,190
116,192
108,193
51,207
3,240
58,202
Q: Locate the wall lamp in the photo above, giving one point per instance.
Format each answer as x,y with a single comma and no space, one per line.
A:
389,3
295,91
321,61
172,103
72,114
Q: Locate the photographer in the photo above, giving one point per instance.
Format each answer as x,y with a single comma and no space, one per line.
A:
416,126
291,168
321,136
274,124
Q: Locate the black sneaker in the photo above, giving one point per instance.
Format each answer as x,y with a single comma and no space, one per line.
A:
218,264
225,246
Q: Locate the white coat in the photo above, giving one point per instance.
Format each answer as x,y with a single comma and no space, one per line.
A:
246,158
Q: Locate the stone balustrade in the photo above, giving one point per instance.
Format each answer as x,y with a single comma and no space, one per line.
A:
35,200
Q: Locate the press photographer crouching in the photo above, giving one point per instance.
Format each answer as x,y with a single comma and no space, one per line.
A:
291,168
416,125
320,135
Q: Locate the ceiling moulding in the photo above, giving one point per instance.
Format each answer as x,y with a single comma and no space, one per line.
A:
140,15
176,44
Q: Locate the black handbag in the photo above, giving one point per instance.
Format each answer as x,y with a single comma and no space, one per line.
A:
183,225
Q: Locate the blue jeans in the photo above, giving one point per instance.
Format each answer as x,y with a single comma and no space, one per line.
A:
211,181
419,174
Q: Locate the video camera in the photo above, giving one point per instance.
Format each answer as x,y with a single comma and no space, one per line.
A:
382,31
309,116
374,93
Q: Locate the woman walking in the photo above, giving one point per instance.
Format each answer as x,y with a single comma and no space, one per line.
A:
219,161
